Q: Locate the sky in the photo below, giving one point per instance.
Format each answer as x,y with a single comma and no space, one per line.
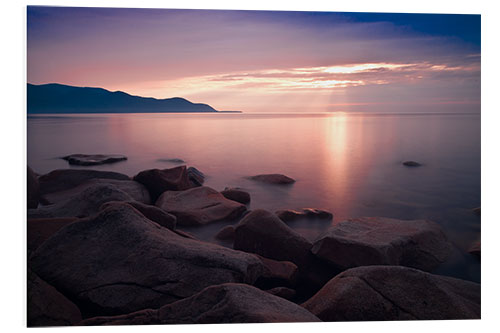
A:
263,61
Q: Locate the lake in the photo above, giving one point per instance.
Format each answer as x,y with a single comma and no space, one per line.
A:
349,164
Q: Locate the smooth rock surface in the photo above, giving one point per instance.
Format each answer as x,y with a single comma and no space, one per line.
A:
225,303
287,215
39,230
395,293
383,241
118,262
237,195
96,159
64,179
33,189
152,213
158,181
199,206
278,272
282,292
83,204
273,178
225,233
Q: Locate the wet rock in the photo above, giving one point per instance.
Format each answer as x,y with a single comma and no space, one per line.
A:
48,307
226,233
171,160
83,204
287,215
152,213
136,190
195,176
273,179
64,179
96,159
39,230
199,206
33,189
237,195
225,303
118,262
278,272
158,181
282,292
411,164
383,241
475,249
395,293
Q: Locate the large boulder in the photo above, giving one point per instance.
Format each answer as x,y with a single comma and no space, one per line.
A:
136,190
263,233
153,213
236,194
277,273
64,179
95,159
225,303
82,204
383,241
48,307
288,215
225,233
395,293
118,262
199,206
273,178
39,230
33,189
158,181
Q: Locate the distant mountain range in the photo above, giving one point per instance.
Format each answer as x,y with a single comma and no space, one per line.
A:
59,98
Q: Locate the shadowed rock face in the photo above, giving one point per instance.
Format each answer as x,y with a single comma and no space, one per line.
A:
96,159
273,178
158,181
118,262
199,205
225,303
226,233
287,215
383,241
82,204
236,195
64,179
153,213
475,249
33,189
395,293
39,230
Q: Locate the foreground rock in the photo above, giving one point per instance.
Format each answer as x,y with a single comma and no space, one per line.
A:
273,178
83,204
383,241
477,211
64,179
96,159
475,249
225,233
225,303
33,189
395,293
48,307
282,292
136,190
277,273
288,215
236,194
199,206
411,164
39,230
158,181
118,262
152,213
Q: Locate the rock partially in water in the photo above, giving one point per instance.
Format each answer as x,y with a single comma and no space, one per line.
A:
274,178
395,293
48,307
65,179
224,303
195,176
96,159
136,190
171,160
158,181
152,213
475,249
288,215
118,262
83,204
33,190
199,206
236,194
384,241
39,230
411,164
226,233
282,273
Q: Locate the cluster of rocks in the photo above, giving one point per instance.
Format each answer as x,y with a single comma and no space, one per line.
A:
105,249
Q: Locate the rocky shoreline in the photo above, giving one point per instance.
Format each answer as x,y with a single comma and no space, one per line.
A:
108,249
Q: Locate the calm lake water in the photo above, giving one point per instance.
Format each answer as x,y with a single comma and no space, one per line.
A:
347,164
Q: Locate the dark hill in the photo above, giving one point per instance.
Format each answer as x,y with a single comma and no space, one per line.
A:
59,98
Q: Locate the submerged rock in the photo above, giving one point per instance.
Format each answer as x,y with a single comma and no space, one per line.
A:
411,164
237,195
395,293
33,190
96,159
118,262
383,241
287,215
158,181
199,205
273,179
152,213
224,303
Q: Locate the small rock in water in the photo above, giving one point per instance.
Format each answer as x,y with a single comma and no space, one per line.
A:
171,160
273,178
287,215
411,164
158,181
236,194
97,159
